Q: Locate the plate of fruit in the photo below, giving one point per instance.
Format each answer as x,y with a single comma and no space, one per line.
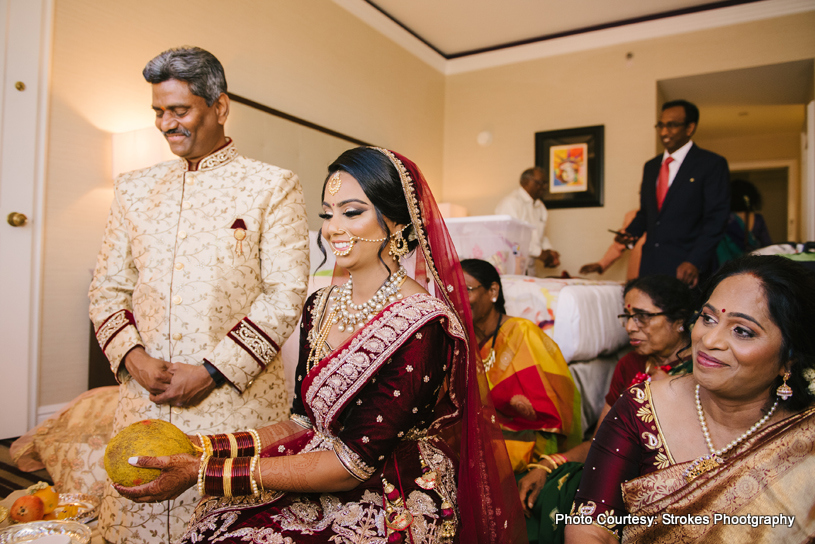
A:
41,502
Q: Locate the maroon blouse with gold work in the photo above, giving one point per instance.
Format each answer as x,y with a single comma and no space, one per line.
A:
628,444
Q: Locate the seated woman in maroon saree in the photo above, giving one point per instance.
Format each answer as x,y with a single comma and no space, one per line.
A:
402,403
649,477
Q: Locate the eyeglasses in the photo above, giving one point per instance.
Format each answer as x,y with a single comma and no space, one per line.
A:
641,319
671,125
473,288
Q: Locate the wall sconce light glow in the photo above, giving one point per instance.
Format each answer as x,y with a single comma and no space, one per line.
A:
449,210
484,138
138,149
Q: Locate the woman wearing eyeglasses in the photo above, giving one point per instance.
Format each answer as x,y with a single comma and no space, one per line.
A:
655,310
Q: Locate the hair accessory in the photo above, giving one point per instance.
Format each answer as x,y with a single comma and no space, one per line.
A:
399,246
784,391
809,376
334,183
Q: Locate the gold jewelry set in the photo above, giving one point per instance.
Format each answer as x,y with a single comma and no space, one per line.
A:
228,464
398,245
715,458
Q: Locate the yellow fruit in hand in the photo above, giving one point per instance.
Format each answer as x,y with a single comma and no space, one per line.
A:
150,437
50,498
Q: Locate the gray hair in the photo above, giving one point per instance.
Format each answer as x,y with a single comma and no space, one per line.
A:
199,68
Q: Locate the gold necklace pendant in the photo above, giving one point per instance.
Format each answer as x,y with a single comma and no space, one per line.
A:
702,465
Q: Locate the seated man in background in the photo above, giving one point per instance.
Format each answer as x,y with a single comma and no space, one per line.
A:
525,204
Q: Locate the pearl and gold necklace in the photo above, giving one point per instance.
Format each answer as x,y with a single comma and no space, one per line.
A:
708,462
349,315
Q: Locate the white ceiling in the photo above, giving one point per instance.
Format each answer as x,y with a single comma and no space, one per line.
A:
453,27
462,35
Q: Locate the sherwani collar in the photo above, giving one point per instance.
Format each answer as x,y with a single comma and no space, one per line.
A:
221,156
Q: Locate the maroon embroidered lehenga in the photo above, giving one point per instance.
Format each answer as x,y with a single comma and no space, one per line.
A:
405,396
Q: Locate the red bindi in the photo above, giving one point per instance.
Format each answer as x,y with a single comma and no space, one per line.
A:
722,310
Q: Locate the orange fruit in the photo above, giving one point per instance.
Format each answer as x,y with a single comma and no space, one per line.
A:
27,508
50,498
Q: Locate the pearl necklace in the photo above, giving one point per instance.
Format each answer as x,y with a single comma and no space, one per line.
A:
359,314
714,458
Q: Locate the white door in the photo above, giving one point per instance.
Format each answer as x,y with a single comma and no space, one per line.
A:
25,33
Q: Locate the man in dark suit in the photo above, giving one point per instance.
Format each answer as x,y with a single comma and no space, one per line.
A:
684,201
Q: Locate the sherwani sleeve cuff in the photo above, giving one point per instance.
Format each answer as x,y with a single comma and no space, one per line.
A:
117,336
244,353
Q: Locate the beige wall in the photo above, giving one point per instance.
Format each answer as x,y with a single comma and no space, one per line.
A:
314,60
597,87
309,58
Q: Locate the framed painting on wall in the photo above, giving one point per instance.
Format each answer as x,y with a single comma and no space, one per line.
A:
573,161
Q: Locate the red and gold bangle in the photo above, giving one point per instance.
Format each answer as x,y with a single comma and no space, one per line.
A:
242,444
214,477
229,477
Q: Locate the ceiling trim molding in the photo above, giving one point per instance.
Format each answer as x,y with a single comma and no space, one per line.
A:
395,32
679,24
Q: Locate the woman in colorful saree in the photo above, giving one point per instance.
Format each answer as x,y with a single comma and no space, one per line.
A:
392,436
534,394
722,454
531,386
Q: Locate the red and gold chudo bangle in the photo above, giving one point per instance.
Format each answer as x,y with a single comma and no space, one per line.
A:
230,477
241,444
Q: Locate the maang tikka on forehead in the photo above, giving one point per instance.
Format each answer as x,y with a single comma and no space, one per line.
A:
334,183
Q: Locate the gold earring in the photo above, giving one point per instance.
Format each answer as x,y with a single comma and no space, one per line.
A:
399,246
784,391
334,183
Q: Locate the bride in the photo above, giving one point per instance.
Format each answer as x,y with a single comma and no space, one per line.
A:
392,437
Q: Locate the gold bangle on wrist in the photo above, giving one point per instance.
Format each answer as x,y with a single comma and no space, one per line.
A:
542,467
554,463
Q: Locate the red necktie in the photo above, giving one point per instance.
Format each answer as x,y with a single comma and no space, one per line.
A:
662,182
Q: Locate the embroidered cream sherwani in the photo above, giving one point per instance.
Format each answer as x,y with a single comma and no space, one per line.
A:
172,277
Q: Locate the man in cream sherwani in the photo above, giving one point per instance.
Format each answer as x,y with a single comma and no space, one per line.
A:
200,280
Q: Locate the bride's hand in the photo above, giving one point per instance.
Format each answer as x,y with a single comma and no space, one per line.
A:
179,472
